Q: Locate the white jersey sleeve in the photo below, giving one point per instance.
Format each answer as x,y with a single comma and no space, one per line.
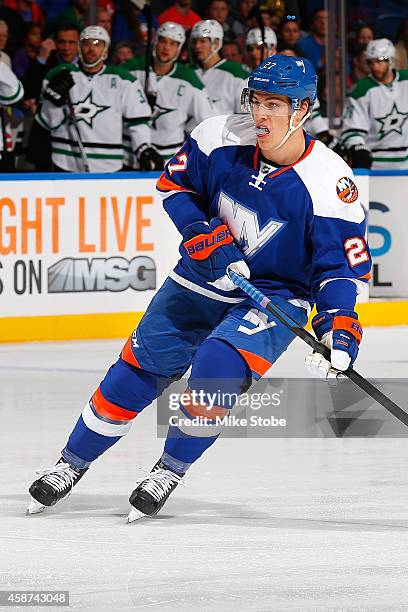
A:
11,89
356,121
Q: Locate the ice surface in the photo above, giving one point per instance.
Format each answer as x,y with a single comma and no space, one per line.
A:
265,525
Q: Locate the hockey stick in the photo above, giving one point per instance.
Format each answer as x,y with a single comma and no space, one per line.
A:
147,12
256,12
317,346
74,123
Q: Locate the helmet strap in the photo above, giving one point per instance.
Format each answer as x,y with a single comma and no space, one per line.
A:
292,128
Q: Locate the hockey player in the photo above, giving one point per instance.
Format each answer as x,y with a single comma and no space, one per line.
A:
176,94
253,193
258,49
11,91
104,98
375,122
223,80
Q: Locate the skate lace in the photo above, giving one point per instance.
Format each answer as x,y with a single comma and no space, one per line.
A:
60,476
160,482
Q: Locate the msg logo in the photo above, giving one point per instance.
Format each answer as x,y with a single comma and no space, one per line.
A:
100,274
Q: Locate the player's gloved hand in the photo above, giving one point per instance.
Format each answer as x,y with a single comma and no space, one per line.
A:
57,88
149,158
360,156
208,250
341,333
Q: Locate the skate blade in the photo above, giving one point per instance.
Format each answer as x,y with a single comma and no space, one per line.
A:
135,515
34,507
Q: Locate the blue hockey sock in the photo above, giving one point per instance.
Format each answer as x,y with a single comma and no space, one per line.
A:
218,371
124,392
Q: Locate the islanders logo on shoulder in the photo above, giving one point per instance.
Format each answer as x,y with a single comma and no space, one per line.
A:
346,190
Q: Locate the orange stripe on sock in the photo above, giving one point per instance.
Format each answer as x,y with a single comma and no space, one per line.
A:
109,410
127,354
202,410
258,364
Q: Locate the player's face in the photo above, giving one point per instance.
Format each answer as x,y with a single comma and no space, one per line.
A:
379,69
271,114
166,49
92,50
258,53
202,47
67,45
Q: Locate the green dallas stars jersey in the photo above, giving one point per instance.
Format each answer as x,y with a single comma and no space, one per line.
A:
377,115
180,96
103,103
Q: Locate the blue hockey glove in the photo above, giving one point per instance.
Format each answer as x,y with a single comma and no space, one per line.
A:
341,333
208,251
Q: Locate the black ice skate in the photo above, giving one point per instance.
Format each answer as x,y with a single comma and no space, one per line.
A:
152,492
53,485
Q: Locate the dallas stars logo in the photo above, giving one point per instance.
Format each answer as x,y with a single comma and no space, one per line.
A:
158,112
86,110
393,122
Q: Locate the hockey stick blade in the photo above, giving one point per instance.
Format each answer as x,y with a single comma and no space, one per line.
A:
307,337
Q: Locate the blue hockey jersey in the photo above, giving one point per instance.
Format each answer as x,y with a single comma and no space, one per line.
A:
298,226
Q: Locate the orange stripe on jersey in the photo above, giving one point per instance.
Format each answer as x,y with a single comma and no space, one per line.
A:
202,410
256,156
257,364
305,154
366,276
110,411
165,184
127,354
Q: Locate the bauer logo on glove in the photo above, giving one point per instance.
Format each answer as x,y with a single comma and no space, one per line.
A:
201,246
208,250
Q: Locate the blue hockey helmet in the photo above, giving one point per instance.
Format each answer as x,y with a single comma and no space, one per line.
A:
293,77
